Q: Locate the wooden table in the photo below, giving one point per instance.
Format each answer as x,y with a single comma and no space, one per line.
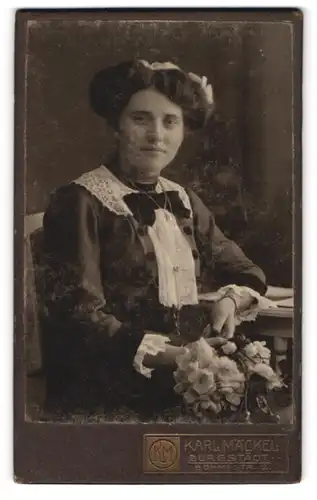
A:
277,323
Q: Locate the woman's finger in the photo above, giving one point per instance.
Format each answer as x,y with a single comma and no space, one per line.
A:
216,341
218,323
229,327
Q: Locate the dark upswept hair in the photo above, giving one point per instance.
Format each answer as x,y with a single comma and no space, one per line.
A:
112,88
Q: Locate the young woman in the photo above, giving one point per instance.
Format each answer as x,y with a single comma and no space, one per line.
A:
128,251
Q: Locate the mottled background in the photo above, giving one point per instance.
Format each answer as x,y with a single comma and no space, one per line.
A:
241,166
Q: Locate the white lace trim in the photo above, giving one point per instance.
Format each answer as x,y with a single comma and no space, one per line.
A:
151,344
109,190
251,312
176,266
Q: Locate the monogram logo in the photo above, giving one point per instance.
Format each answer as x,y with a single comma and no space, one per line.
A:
161,454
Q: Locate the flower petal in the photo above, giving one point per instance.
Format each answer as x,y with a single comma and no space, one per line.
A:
190,396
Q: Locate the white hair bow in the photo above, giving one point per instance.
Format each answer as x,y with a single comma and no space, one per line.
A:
206,87
158,65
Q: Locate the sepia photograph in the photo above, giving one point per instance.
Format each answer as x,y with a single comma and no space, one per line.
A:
158,221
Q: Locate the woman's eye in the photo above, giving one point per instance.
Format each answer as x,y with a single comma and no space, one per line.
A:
171,121
139,119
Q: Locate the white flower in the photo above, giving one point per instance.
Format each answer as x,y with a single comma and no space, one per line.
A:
209,382
184,361
258,352
226,367
193,373
215,407
179,388
204,352
180,376
269,374
158,65
190,396
205,404
233,399
263,370
205,382
229,348
263,352
251,350
228,377
226,389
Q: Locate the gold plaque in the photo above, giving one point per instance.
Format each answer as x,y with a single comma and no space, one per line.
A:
161,453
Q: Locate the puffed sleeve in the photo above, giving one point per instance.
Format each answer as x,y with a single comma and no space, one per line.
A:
73,285
229,263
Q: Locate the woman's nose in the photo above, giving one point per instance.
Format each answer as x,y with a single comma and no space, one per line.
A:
155,132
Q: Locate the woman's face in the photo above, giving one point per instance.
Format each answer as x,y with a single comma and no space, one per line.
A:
151,131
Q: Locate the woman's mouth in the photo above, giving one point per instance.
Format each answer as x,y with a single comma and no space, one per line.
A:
154,150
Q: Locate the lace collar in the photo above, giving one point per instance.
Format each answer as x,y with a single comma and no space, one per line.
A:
110,190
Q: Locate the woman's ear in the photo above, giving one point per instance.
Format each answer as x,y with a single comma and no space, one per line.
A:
117,130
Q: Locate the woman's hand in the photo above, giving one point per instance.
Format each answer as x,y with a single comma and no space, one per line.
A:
165,358
169,355
223,317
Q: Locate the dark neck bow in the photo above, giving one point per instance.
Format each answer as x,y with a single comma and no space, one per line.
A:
143,205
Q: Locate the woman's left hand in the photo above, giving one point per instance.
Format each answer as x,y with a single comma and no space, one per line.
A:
223,317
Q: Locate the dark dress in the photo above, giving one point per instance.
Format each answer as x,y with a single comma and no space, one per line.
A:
100,292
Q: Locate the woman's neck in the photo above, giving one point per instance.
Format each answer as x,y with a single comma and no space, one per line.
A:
135,175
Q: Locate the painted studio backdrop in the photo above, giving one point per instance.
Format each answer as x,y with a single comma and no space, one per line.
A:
241,166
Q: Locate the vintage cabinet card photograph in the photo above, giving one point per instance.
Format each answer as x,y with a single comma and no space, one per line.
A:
158,246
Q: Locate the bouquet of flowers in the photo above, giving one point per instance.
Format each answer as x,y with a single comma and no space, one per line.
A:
229,381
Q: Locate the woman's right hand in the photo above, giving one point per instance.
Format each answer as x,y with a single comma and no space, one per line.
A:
166,357
169,355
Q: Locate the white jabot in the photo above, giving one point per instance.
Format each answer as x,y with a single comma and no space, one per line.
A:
176,267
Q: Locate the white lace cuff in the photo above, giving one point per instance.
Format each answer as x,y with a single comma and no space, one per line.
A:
152,344
250,313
